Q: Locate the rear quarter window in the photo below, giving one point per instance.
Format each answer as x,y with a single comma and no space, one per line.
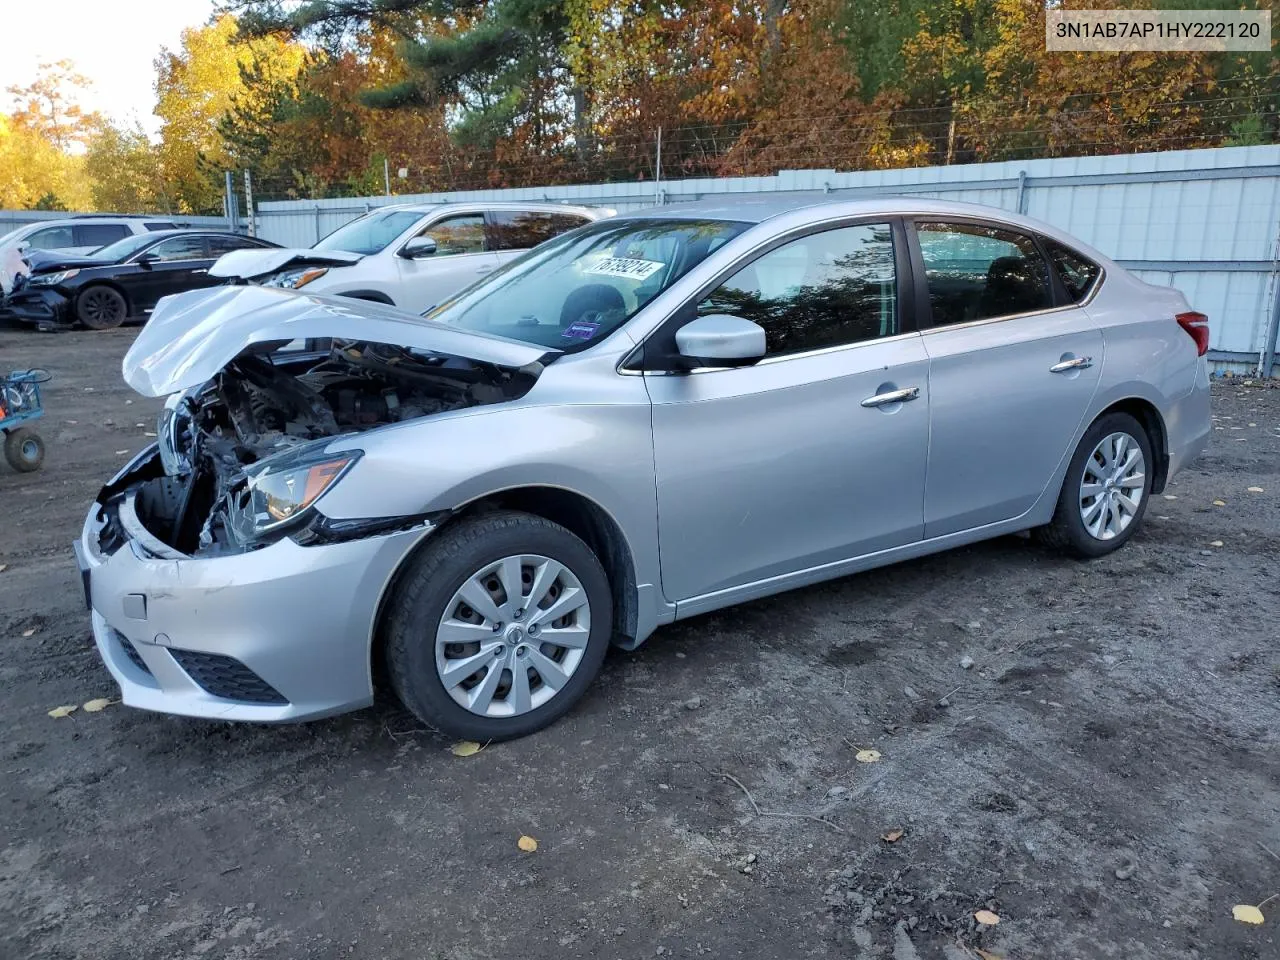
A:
1077,272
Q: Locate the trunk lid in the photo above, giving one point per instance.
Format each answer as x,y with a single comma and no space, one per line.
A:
191,336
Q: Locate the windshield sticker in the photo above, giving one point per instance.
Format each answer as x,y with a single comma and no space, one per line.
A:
628,268
580,330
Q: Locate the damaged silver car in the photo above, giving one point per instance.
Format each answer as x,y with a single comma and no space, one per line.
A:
644,419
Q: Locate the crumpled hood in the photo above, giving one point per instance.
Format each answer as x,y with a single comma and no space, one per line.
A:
47,261
191,336
250,264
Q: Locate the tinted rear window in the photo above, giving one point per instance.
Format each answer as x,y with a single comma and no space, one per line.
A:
522,229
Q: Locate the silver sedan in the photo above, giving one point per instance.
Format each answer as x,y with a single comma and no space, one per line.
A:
648,418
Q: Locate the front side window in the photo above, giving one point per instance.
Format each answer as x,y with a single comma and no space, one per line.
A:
371,233
977,272
179,248
118,251
823,290
99,234
578,288
1077,273
51,238
454,235
525,229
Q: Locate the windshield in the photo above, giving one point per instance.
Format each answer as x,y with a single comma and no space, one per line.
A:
371,233
578,288
117,251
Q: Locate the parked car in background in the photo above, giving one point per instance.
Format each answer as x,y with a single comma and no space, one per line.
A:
82,233
411,256
649,418
122,280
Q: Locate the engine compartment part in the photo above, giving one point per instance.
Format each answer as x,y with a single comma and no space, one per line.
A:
262,415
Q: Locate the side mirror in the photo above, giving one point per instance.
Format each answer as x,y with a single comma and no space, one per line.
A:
418,248
145,260
721,340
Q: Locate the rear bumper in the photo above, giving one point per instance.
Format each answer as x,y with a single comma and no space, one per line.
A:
1188,423
280,634
36,307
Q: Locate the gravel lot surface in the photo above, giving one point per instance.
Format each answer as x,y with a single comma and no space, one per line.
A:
1104,776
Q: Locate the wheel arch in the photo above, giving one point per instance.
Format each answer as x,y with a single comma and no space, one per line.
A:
578,514
1147,414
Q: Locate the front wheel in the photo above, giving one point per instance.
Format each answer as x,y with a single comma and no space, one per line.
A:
24,449
101,308
1105,492
498,627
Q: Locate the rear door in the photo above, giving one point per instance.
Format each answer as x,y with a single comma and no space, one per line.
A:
1013,366
461,258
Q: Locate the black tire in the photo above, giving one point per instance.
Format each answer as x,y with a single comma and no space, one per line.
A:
24,449
1066,531
100,307
418,603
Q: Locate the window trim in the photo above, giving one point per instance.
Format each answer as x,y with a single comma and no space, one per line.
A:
636,361
924,312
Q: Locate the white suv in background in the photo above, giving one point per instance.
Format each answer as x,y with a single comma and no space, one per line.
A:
82,234
411,256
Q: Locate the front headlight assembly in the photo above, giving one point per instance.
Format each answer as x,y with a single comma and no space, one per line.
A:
280,491
295,279
51,279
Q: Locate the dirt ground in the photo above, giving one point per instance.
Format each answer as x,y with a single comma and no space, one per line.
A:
1105,778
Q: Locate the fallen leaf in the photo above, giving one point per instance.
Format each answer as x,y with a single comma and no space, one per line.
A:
1216,543
121,453
1219,503
148,434
94,706
1171,496
465,748
527,844
59,712
3,567
986,917
1251,490
893,836
1247,913
867,756
29,632
987,955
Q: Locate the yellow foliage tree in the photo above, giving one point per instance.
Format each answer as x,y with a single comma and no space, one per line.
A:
196,87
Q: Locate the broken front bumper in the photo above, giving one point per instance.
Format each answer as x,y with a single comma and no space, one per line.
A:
282,633
39,306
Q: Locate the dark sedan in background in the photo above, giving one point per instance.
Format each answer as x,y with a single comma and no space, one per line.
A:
120,281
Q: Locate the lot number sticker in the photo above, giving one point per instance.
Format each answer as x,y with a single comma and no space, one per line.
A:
627,268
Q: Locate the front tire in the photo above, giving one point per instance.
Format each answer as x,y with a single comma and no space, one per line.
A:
24,450
1105,492
498,626
100,307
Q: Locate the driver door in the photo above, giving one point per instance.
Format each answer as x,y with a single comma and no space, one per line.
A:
795,462
461,258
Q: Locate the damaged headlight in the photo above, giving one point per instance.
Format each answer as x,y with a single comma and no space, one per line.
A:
280,490
294,279
51,279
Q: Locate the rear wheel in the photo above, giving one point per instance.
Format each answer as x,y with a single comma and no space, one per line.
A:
101,308
24,449
499,626
1105,492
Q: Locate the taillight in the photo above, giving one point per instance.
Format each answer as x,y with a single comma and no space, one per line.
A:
1197,327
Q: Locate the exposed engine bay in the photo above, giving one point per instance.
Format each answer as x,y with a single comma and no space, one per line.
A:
193,498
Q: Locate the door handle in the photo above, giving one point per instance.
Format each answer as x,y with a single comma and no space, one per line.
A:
1076,363
893,396
200,271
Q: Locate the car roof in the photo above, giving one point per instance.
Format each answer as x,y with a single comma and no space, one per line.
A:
757,208
541,206
197,232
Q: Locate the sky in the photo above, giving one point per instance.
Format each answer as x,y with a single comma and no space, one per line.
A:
111,43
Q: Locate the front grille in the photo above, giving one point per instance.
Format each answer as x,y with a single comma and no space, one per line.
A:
131,652
226,677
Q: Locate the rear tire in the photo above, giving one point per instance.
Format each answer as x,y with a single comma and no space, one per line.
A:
24,450
100,307
425,605
1086,524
